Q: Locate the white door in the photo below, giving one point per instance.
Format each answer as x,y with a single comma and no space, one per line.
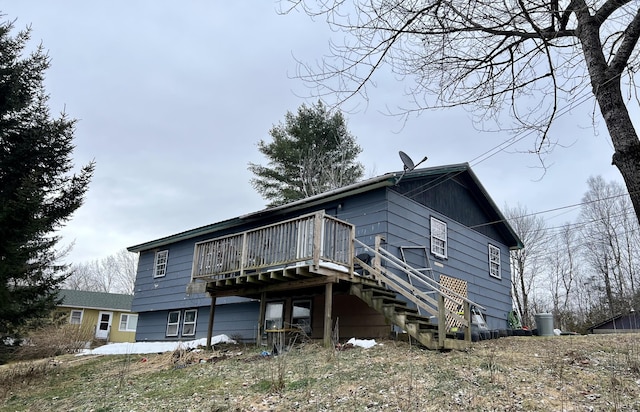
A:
104,325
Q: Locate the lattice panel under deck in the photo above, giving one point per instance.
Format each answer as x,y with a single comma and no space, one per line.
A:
460,287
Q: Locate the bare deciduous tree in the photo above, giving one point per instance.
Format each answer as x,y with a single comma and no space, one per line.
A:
563,272
526,263
113,274
528,56
605,233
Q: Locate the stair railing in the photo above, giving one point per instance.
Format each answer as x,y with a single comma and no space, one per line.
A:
421,299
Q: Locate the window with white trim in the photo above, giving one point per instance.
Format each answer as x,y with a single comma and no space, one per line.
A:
173,323
128,322
274,316
438,238
494,261
189,323
75,317
160,265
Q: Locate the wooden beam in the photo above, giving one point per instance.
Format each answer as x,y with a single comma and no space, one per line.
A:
212,312
318,222
263,308
467,317
442,321
328,303
245,291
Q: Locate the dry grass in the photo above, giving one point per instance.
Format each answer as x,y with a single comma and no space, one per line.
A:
568,373
53,340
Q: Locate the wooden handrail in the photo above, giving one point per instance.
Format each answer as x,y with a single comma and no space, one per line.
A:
313,238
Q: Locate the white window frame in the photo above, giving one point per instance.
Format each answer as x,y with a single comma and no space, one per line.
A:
160,263
81,311
175,324
272,319
130,322
439,240
494,262
186,324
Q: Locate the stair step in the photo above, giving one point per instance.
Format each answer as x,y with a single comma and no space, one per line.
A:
422,325
400,308
377,291
390,300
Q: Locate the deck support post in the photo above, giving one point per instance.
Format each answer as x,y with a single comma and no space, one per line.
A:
442,321
328,303
467,317
212,312
263,309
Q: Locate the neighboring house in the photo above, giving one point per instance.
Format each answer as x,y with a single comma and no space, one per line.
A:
621,323
108,314
402,251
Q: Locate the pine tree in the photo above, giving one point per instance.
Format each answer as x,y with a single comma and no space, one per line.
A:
312,152
38,192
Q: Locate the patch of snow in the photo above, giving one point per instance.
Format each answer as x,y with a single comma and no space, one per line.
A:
127,348
363,343
557,332
334,266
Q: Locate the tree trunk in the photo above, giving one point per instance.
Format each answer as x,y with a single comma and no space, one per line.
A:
606,88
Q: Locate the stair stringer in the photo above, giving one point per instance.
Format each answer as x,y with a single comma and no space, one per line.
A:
417,326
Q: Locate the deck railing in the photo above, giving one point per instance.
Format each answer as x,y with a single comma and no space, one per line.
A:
312,238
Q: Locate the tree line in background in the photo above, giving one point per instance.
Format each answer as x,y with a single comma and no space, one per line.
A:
582,272
112,274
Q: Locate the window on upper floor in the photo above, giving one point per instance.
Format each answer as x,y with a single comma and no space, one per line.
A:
75,317
173,323
438,238
128,322
494,261
189,323
160,266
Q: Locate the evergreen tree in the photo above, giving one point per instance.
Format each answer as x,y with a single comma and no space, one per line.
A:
38,192
312,152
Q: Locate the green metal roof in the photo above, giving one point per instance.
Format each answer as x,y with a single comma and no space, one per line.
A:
385,180
95,300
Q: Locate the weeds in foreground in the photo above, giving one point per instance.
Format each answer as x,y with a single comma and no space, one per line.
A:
53,340
24,374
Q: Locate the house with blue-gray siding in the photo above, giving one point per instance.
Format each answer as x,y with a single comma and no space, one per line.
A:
412,252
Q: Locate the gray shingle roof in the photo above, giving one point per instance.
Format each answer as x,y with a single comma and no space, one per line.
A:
96,300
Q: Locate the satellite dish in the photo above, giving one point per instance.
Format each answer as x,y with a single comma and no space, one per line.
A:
408,163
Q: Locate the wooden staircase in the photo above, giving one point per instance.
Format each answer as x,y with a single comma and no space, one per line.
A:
380,285
396,311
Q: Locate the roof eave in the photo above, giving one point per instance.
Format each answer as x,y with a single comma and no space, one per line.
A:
336,194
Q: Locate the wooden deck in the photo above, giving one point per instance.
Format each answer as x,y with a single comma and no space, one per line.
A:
297,249
317,250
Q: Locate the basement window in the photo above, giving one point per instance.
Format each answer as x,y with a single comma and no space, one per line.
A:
301,316
189,323
273,316
173,322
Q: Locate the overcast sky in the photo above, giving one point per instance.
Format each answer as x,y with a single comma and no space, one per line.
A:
172,97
